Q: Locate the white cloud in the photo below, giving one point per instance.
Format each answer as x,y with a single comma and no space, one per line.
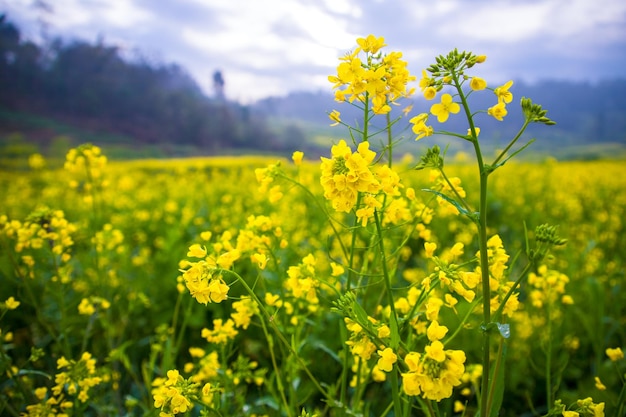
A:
497,23
123,13
273,46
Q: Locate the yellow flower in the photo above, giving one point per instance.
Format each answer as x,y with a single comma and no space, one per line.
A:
244,310
430,248
570,414
419,126
347,174
430,93
599,384
477,84
476,129
503,93
222,331
435,331
387,359
86,308
615,354
425,81
430,377
218,290
498,111
260,259
480,59
36,161
11,303
271,299
336,269
383,331
371,44
435,351
297,157
196,251
227,259
457,249
442,110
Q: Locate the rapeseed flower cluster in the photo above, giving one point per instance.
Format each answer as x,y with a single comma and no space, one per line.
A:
86,164
43,229
615,354
450,275
434,373
581,408
48,405
498,279
206,368
548,287
449,71
174,394
374,78
349,174
302,282
76,377
360,342
203,279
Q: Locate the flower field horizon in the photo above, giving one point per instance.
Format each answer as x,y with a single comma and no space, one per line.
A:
124,265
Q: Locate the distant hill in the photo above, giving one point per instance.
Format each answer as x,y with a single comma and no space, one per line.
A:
87,92
586,114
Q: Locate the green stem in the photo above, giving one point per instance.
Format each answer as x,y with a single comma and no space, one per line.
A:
395,337
366,117
323,208
519,134
279,380
621,401
498,364
484,268
389,141
549,399
352,247
469,313
484,258
387,280
281,337
498,314
397,406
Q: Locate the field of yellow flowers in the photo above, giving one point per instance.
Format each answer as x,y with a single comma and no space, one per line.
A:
361,284
96,319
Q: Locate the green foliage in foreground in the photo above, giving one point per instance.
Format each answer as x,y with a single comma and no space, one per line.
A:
152,211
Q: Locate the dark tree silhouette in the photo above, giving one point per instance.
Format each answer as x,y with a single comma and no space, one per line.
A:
218,85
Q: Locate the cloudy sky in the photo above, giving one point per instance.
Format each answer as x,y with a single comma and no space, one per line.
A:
273,47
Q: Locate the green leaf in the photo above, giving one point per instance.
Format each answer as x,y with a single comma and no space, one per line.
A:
450,200
23,372
496,383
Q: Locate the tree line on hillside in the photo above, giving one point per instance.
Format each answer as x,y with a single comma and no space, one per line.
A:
92,87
